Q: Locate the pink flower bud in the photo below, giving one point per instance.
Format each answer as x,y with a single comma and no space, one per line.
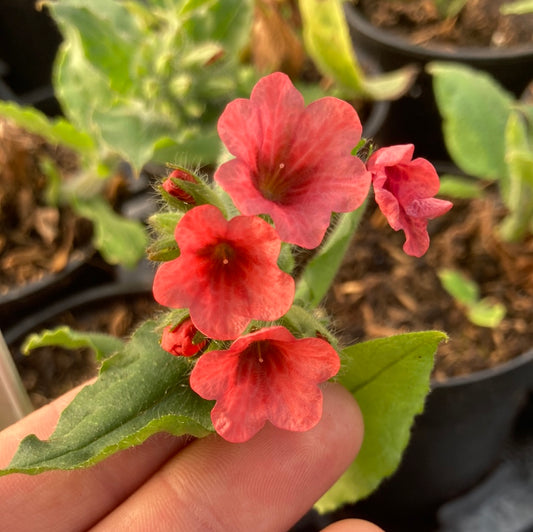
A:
179,340
174,190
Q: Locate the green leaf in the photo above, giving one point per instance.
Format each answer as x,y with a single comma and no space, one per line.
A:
517,189
54,180
519,7
163,248
165,222
319,273
485,313
474,109
227,22
108,35
78,85
481,312
104,345
389,378
458,286
55,131
459,187
132,130
119,240
449,8
140,391
327,41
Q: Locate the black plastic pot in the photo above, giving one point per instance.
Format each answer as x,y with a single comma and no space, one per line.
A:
456,442
28,43
415,117
376,119
50,372
84,269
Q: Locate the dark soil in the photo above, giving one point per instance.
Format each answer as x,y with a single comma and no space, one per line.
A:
38,238
479,24
35,238
381,291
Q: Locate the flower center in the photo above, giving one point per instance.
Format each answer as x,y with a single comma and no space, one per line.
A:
223,253
274,184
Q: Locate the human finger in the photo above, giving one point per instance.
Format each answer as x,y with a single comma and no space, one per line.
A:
352,525
266,483
73,500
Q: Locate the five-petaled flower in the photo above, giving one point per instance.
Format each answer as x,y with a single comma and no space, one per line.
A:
226,274
404,188
267,375
292,162
179,340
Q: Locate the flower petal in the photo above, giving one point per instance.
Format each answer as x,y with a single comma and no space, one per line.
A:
266,375
404,191
296,159
226,273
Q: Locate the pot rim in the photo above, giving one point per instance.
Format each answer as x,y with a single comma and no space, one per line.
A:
484,374
376,118
85,297
77,259
476,54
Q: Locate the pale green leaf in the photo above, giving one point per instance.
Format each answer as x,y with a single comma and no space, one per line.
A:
102,344
458,286
519,7
449,8
227,22
107,33
475,110
519,148
389,378
391,85
327,41
78,86
517,189
132,130
119,240
486,313
55,131
459,187
140,391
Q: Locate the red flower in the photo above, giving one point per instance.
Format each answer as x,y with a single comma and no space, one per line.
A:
292,162
404,190
226,273
266,375
179,340
174,190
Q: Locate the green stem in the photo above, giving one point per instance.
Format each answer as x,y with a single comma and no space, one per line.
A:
321,270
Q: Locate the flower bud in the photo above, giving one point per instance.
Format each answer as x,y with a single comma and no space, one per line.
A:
170,186
179,340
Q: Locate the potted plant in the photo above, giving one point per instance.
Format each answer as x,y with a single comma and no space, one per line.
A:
207,225
415,33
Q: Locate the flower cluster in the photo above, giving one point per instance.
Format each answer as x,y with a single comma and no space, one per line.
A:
293,167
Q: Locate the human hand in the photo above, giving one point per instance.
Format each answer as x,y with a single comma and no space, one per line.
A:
171,483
